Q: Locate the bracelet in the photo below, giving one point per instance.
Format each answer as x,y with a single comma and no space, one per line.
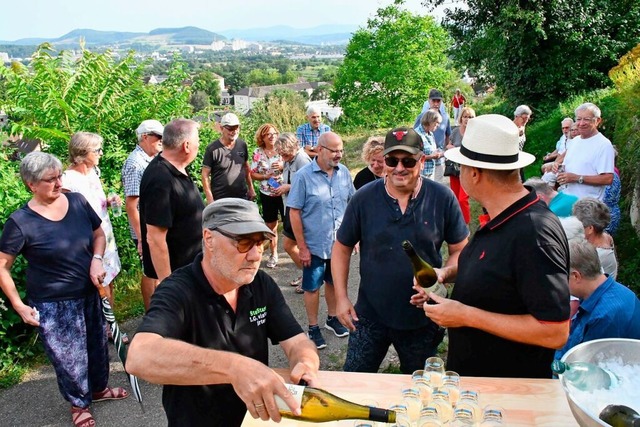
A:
96,256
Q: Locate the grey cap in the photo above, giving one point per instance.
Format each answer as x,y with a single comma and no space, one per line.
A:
235,216
435,94
150,126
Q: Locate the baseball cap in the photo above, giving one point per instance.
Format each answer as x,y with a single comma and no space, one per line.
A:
150,126
230,119
435,94
404,139
235,216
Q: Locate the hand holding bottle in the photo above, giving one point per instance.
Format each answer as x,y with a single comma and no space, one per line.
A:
446,312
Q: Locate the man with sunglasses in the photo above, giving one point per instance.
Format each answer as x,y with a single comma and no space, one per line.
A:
381,215
317,200
225,165
206,333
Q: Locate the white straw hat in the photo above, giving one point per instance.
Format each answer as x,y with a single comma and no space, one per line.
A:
490,142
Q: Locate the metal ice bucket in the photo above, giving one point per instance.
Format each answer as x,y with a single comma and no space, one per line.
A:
598,351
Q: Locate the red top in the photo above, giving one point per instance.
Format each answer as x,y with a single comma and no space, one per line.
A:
458,101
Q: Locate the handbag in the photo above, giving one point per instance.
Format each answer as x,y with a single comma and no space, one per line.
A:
451,168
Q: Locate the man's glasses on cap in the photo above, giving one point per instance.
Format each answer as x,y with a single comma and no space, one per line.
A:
407,162
245,244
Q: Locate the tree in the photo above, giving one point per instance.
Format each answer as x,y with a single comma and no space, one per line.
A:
199,100
389,68
538,51
207,82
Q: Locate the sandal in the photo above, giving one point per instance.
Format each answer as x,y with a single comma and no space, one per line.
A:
299,289
108,393
81,417
296,282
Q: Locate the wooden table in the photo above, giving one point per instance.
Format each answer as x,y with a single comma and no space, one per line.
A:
527,402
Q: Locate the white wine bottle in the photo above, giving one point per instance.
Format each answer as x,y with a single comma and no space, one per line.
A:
620,416
425,274
319,406
585,376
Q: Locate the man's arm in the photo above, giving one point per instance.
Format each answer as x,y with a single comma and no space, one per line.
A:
296,227
159,251
131,206
597,180
303,359
340,259
167,361
523,328
206,184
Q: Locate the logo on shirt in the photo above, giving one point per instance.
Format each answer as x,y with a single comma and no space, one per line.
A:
258,316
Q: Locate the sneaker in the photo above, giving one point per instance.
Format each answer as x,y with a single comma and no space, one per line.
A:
334,325
315,335
272,262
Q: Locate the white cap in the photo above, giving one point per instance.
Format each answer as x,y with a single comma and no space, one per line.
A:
150,126
230,119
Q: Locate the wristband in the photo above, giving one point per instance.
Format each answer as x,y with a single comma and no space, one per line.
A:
96,256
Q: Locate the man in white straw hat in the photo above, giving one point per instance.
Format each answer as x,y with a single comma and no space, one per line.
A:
509,308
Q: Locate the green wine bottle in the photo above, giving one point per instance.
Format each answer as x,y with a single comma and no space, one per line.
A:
620,416
425,274
585,376
319,406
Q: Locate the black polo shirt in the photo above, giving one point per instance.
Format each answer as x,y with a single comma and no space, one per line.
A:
228,176
185,307
518,263
170,199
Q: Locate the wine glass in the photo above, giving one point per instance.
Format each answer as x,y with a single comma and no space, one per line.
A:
492,416
462,417
441,401
451,383
429,417
402,418
434,368
411,398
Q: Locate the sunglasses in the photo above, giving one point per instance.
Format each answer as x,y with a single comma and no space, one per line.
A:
245,244
231,128
407,162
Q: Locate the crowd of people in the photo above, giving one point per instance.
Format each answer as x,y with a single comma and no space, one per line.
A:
529,284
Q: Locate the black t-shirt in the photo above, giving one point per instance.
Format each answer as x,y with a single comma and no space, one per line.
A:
363,177
186,308
518,263
228,176
58,252
170,199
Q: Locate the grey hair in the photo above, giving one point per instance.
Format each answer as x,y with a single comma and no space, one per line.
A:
429,117
522,109
592,108
573,228
539,185
288,142
177,131
36,164
567,119
583,256
81,144
591,211
313,109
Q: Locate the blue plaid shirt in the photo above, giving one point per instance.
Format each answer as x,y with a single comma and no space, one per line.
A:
132,171
308,136
428,147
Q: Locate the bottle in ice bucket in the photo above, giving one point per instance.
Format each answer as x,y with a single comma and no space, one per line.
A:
424,273
585,376
620,416
320,406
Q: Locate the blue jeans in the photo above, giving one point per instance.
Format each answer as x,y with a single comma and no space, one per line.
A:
371,340
317,273
75,341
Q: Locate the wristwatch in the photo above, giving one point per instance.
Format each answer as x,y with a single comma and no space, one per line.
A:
96,256
581,179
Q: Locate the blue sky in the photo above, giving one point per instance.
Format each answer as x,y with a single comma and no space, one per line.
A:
54,18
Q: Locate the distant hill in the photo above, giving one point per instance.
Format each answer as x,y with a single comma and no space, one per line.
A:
324,34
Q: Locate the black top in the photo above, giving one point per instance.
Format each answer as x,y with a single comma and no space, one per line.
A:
228,177
374,219
185,307
518,263
363,177
58,252
170,199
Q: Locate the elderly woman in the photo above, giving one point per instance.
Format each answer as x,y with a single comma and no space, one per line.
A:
457,134
372,156
430,120
61,238
294,158
83,176
595,217
266,168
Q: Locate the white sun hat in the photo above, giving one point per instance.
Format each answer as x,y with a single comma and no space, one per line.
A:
490,142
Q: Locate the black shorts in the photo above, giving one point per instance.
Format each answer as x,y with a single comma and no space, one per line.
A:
271,205
287,231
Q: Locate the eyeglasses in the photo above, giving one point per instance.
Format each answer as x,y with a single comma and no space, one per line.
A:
585,119
468,117
273,134
231,128
407,162
52,179
97,150
334,152
245,244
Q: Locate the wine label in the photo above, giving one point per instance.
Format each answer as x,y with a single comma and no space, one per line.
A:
296,391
